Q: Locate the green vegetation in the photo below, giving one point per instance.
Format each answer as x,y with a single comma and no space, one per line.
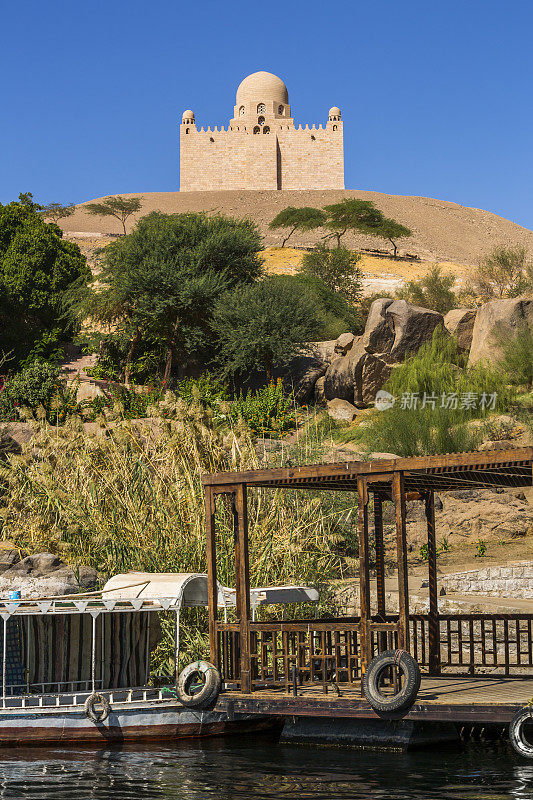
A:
434,290
268,412
352,215
337,269
57,211
437,397
517,357
37,268
506,272
119,207
159,286
261,327
392,231
481,548
298,219
37,389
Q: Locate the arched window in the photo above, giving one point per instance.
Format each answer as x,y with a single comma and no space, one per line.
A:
261,108
266,129
280,109
312,138
335,127
241,111
211,139
260,120
186,130
257,129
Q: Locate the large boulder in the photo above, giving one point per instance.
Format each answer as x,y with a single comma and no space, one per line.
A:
496,320
308,366
343,343
343,374
413,327
459,322
374,373
341,410
378,335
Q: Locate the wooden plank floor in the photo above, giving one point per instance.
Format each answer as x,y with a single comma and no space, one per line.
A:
448,698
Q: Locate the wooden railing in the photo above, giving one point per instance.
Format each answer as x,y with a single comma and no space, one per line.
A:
328,651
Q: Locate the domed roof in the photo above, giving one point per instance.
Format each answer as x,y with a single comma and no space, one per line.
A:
188,114
262,86
334,111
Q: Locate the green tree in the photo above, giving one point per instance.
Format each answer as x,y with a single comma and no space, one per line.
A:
298,219
159,284
505,272
119,207
433,290
392,230
57,211
261,327
337,269
354,215
37,268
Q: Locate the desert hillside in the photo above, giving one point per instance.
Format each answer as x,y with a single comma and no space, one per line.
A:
441,230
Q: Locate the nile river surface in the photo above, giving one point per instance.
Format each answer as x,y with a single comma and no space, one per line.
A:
231,769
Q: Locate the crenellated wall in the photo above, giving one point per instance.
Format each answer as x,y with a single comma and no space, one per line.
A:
285,158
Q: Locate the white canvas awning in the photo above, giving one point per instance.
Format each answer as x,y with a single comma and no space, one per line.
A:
191,589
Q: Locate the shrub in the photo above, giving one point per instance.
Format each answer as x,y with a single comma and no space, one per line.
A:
262,326
336,268
517,357
267,412
433,290
505,272
334,312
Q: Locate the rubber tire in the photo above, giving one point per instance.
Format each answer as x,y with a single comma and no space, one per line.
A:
90,703
210,690
520,745
407,694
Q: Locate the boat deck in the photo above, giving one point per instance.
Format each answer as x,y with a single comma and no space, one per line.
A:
488,699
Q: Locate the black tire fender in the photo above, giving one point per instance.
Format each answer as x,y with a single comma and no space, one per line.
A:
410,670
516,732
207,694
91,713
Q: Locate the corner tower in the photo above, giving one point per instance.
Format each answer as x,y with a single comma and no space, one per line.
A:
262,148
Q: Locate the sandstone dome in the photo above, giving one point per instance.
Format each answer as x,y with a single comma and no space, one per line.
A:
262,86
334,111
188,114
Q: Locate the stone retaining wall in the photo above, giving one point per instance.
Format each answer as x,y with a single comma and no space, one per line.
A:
511,580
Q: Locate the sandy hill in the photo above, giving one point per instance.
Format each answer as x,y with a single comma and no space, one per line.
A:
441,230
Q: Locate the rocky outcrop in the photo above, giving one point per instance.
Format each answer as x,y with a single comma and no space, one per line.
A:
413,326
497,320
344,342
42,575
459,322
393,330
308,366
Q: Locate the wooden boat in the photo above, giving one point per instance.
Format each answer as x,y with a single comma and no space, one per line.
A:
60,653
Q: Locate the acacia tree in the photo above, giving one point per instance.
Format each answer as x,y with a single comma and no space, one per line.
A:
57,211
119,207
391,230
352,214
160,283
298,219
261,326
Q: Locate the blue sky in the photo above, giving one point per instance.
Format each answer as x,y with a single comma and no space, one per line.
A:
436,96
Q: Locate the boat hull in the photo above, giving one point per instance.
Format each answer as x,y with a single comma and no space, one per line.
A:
157,723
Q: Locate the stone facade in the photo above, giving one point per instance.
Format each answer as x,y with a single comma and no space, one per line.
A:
510,580
262,148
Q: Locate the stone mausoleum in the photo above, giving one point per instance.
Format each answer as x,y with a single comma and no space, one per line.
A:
262,148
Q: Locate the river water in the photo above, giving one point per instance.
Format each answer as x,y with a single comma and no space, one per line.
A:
250,769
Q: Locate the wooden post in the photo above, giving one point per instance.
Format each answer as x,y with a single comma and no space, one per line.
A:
242,582
398,493
433,619
364,577
380,554
212,589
